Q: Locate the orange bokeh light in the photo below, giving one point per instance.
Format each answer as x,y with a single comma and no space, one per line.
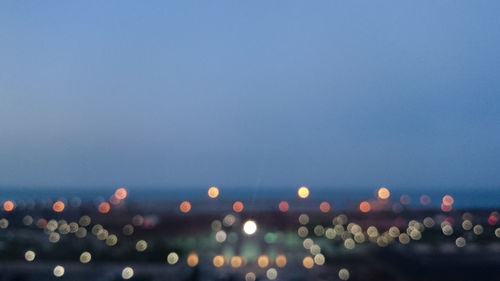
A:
193,259
218,261
58,206
383,193
281,260
308,262
213,192
283,206
324,207
303,192
104,208
236,261
121,193
8,206
365,207
263,261
185,207
238,206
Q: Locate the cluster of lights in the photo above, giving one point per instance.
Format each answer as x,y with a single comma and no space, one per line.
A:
348,233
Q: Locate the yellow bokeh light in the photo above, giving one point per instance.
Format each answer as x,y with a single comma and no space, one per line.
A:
383,193
213,192
303,192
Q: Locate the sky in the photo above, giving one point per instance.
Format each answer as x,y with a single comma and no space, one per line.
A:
250,93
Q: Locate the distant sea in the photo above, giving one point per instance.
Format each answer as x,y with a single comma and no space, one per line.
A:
338,196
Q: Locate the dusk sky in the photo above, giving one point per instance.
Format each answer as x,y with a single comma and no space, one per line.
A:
267,93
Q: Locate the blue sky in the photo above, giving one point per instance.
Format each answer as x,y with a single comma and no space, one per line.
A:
256,93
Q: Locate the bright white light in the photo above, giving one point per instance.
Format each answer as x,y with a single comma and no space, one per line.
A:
250,227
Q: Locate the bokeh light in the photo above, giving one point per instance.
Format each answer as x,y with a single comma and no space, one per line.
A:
58,271
344,274
236,261
185,207
4,223
303,192
104,208
283,206
213,192
250,227
121,193
172,258
127,272
383,193
85,257
141,246
308,262
250,276
324,207
272,274
218,261
193,259
58,206
238,206
448,200
263,261
365,207
29,255
281,260
8,206
425,200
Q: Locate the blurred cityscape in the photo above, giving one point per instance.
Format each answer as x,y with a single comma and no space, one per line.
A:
209,236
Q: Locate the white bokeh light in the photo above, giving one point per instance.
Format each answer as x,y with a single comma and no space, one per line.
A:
250,227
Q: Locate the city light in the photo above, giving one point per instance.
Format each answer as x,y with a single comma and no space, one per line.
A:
383,193
250,227
213,192
303,192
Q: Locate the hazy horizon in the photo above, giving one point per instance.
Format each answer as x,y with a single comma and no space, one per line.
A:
257,94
